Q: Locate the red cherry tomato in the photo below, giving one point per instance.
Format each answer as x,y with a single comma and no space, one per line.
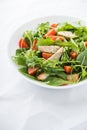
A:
23,44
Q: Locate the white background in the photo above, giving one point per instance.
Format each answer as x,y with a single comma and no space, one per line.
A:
21,102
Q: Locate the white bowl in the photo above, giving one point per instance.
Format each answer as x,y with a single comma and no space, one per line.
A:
31,25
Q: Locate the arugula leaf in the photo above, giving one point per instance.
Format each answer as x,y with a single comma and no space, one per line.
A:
69,44
53,81
65,55
41,30
81,32
33,59
43,27
82,57
84,73
43,42
20,51
81,46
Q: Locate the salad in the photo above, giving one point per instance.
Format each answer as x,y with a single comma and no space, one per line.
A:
55,54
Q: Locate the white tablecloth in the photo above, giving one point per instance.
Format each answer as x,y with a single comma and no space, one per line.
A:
27,107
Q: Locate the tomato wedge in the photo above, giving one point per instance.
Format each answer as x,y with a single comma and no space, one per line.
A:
73,55
34,45
46,55
50,32
54,25
68,69
23,44
32,71
54,38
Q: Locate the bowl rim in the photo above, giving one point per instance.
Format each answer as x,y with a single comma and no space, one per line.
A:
36,82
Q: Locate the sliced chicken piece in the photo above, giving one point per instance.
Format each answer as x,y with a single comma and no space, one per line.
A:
67,34
50,49
57,55
73,77
42,76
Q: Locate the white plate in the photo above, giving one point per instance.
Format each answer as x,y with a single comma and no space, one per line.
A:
31,25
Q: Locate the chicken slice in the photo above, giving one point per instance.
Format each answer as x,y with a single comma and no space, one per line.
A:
67,34
42,76
57,55
73,77
50,49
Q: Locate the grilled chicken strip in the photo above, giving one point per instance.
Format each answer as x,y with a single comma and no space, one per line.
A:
67,34
50,49
42,76
57,55
73,77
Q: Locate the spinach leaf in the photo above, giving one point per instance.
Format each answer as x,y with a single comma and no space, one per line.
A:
57,71
53,81
82,57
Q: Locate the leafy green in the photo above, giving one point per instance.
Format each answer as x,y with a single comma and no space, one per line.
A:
81,46
54,81
43,27
19,60
20,51
44,42
65,55
56,71
82,57
33,59
41,30
69,44
67,27
81,32
84,73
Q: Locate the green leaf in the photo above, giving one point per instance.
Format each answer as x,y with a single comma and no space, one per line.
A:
43,42
67,27
20,51
69,44
41,30
82,57
81,32
55,71
62,75
84,73
53,81
43,27
19,60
